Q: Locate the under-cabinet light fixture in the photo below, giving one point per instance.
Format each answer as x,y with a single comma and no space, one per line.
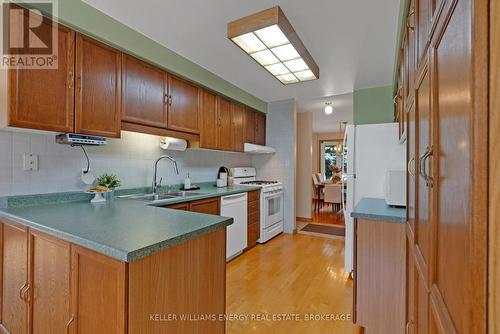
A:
269,38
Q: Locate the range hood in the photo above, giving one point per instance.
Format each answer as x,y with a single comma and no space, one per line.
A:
257,149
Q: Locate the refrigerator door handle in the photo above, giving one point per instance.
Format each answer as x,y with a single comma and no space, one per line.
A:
342,196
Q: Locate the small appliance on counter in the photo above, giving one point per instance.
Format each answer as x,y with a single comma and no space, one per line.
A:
222,176
395,187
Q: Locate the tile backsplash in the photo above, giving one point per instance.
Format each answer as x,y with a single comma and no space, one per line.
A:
131,158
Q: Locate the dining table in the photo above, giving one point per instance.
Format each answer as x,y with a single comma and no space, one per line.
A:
319,189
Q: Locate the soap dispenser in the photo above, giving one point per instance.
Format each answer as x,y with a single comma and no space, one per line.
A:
187,182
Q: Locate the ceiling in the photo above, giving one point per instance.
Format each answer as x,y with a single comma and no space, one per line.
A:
352,41
342,112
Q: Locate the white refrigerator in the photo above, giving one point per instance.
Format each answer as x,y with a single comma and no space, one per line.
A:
371,150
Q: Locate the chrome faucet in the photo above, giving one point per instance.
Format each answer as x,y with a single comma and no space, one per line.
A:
156,184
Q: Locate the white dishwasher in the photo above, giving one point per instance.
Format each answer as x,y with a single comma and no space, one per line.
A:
235,206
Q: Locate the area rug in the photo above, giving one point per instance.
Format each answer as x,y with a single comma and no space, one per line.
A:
324,229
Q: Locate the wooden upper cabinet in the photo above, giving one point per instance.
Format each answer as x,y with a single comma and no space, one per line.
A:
98,293
50,300
98,88
43,99
249,125
209,121
422,23
239,131
144,93
14,252
183,105
225,123
260,128
410,54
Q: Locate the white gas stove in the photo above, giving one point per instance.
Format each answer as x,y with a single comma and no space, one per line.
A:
271,201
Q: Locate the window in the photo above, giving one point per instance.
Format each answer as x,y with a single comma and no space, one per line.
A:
331,156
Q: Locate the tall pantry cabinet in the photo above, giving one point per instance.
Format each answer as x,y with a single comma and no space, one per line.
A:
442,91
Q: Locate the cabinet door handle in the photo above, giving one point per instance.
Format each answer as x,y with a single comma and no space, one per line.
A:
71,79
24,292
408,324
68,324
420,164
411,166
429,181
423,166
408,25
170,100
21,291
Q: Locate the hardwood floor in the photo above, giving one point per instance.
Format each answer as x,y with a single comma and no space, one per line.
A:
291,274
327,216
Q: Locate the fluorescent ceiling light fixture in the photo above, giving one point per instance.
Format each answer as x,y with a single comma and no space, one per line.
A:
287,78
265,57
296,65
272,36
277,69
285,52
249,42
305,75
269,38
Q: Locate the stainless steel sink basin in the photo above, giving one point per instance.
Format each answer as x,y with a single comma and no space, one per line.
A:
164,196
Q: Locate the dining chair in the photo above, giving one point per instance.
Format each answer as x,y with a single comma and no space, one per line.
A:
333,195
318,192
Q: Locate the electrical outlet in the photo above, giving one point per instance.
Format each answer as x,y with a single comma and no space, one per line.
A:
30,162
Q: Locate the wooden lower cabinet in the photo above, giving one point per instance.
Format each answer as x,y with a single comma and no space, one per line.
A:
98,302
186,280
253,209
14,309
179,206
409,282
379,272
50,283
52,286
210,206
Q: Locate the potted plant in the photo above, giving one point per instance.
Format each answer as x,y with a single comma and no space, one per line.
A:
336,173
109,181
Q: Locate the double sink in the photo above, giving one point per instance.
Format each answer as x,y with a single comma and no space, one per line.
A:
163,196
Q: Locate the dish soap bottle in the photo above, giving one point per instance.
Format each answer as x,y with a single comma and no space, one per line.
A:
187,182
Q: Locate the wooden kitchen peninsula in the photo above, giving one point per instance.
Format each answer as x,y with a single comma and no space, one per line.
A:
122,267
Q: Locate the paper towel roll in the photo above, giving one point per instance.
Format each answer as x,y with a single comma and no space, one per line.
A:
173,144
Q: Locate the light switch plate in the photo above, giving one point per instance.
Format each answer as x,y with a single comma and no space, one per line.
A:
30,162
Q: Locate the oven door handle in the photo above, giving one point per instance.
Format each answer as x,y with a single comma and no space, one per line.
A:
273,194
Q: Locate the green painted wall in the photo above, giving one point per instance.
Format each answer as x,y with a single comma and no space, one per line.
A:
87,19
373,105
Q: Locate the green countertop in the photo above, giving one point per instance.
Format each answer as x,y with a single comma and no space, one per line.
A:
125,229
377,209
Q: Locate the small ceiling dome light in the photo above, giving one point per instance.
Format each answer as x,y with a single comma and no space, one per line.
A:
328,108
